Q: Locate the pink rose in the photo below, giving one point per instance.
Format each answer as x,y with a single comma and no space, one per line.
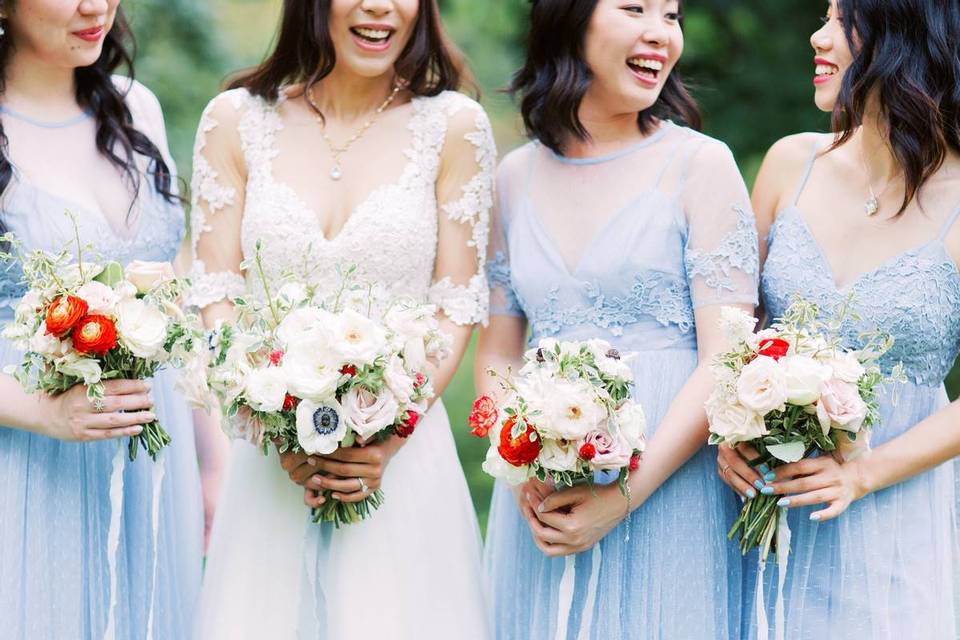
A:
841,406
609,452
368,413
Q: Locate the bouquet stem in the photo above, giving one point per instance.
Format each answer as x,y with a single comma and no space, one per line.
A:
341,513
756,526
153,438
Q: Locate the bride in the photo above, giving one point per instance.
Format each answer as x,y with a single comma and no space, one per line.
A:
348,145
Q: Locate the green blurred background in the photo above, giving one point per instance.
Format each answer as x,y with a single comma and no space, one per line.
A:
749,63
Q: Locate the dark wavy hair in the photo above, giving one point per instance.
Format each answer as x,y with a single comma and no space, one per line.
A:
304,53
117,139
907,54
555,77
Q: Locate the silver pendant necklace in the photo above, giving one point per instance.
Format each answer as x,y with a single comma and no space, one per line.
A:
872,206
337,171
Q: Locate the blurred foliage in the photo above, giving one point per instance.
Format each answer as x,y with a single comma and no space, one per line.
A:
749,63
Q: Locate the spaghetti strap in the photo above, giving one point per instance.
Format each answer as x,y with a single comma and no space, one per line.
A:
949,224
806,173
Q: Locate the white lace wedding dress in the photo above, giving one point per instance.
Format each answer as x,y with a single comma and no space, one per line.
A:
413,570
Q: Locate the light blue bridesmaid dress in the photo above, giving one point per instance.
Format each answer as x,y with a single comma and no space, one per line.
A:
681,236
54,502
888,567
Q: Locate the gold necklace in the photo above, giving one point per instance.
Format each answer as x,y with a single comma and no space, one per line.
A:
337,171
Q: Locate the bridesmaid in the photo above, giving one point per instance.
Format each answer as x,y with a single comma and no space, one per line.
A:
618,221
869,213
74,137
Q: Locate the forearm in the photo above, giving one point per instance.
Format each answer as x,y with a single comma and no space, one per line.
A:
927,445
20,409
222,311
679,436
442,373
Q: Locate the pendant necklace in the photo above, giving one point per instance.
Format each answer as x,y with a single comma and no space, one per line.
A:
872,206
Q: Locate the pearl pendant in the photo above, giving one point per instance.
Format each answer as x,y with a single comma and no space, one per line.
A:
871,207
336,173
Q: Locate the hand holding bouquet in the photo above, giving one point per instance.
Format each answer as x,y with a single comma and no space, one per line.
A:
83,323
566,414
312,373
791,391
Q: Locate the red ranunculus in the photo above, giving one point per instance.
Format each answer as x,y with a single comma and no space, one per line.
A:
94,334
276,357
406,427
588,452
483,416
419,380
521,450
348,370
64,313
635,462
773,348
290,403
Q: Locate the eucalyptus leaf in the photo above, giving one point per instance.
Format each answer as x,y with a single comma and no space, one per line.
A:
112,274
788,451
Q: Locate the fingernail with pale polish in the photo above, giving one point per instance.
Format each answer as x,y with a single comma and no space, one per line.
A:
751,493
763,469
770,477
783,502
767,491
312,462
540,508
758,484
815,517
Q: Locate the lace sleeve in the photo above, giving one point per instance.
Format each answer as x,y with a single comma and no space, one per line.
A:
722,251
217,187
464,199
503,297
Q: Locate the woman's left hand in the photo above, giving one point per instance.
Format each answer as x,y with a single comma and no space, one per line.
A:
820,480
575,519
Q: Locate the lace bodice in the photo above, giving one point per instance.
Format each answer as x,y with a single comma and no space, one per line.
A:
402,236
37,217
624,246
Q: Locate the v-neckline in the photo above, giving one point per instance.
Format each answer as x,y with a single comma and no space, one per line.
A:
409,151
828,266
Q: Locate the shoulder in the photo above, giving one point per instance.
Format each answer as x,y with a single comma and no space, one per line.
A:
227,107
790,155
142,103
463,114
516,161
706,158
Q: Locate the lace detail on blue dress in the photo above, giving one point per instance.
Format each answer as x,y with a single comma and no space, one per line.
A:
915,297
504,299
652,295
737,251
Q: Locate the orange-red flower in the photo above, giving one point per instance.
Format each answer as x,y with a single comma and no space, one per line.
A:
64,313
405,429
521,450
95,334
775,348
483,416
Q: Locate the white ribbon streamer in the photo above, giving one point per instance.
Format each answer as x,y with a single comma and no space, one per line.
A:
565,596
159,468
783,560
586,623
762,631
113,535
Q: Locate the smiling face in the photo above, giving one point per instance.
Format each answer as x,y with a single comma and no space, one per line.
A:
369,35
62,33
631,47
833,58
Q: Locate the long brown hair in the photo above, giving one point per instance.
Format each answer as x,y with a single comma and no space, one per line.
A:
304,53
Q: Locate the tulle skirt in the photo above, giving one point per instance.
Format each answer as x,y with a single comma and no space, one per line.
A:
54,519
410,572
887,569
667,572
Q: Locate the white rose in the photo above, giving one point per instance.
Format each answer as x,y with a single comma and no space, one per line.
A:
398,380
194,384
125,289
142,329
306,325
228,380
805,377
265,389
559,457
309,376
732,421
368,413
411,321
320,427
28,307
146,276
45,343
632,422
762,386
99,297
85,368
358,339
500,469
841,407
737,326
846,367
569,409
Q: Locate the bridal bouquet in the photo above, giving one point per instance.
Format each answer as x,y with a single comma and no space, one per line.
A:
566,414
791,391
84,323
312,373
